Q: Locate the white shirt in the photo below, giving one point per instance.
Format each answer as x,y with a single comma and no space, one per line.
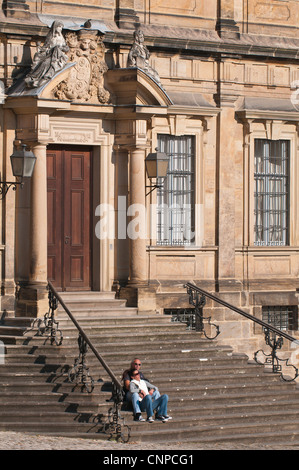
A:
142,385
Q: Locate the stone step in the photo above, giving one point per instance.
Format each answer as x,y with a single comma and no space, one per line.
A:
80,296
239,392
29,395
67,406
111,320
247,433
241,432
93,331
286,440
11,335
117,365
177,422
42,427
89,309
195,365
64,351
47,416
104,319
56,373
223,408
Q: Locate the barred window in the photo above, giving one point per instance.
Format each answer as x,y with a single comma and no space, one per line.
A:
271,196
281,317
175,198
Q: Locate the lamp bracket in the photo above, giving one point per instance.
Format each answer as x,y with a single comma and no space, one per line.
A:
153,187
5,185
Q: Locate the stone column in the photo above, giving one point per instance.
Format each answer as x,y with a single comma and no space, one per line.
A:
33,296
137,221
122,255
38,228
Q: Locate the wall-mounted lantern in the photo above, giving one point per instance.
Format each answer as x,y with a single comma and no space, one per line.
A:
156,165
22,163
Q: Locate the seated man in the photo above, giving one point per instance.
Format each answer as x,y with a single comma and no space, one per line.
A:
142,399
135,365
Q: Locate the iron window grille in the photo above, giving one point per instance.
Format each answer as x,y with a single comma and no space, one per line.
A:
271,196
182,315
282,317
175,196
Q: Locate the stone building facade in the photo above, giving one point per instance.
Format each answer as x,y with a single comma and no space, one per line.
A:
214,85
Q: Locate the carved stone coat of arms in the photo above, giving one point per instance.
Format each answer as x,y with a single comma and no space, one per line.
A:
85,82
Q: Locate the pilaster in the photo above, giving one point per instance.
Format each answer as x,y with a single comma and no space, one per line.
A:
226,195
226,25
125,15
16,9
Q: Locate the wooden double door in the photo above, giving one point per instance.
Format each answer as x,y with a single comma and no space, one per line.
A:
69,217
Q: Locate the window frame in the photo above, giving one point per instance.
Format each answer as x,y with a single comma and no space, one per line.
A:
270,206
178,171
271,130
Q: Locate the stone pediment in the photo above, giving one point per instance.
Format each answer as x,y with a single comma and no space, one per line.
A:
71,67
133,86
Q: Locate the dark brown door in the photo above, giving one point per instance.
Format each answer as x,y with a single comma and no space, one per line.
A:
69,234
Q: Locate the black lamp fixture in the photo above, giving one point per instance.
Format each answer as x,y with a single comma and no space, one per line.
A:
156,165
22,163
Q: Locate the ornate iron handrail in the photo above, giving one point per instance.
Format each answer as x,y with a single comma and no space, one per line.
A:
273,336
79,373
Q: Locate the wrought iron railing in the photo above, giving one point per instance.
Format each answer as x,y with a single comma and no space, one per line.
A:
273,336
79,373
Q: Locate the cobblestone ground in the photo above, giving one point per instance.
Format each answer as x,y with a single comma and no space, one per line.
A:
23,441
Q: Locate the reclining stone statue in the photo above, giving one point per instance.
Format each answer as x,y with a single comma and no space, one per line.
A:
49,58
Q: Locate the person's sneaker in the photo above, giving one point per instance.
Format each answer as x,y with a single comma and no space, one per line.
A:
167,418
163,418
138,417
150,419
159,417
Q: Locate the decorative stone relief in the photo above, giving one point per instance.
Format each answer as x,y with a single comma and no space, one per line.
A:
270,12
139,56
85,82
49,58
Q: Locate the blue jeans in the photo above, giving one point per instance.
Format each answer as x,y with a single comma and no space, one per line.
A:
134,398
149,405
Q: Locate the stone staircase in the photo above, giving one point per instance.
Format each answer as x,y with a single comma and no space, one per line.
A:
215,396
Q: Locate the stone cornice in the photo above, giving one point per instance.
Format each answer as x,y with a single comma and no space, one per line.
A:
181,40
268,115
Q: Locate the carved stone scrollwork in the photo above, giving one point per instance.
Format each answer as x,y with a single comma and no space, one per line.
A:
85,82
